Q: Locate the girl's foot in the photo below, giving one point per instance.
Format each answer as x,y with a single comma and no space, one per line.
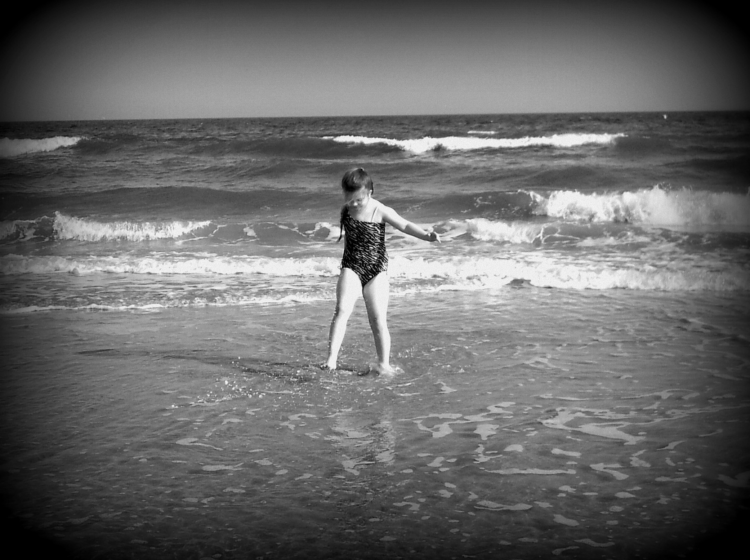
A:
385,370
326,367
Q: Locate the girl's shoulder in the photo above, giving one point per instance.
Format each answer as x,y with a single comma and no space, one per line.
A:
376,214
380,212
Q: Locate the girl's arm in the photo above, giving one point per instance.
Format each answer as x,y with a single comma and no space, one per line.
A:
390,216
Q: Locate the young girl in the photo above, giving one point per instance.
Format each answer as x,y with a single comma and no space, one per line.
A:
365,264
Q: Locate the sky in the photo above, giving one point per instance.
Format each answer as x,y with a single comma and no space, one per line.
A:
113,59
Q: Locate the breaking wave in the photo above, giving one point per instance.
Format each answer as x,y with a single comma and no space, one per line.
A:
679,209
16,147
460,143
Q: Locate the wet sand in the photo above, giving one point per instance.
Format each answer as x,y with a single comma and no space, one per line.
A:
524,426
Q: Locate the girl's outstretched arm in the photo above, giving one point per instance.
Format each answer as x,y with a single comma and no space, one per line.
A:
392,217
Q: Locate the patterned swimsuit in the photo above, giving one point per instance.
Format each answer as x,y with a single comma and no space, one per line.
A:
364,249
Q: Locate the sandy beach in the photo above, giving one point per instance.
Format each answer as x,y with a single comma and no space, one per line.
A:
185,433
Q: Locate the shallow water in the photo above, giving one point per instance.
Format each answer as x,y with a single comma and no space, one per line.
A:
528,423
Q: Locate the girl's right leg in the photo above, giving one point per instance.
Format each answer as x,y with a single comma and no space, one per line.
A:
347,291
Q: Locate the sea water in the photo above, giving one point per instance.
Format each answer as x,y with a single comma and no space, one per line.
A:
574,353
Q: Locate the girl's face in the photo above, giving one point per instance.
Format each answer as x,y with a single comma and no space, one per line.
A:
357,199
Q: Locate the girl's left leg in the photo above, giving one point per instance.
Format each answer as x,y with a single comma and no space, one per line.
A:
376,300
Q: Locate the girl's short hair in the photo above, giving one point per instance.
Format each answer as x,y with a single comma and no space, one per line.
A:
355,179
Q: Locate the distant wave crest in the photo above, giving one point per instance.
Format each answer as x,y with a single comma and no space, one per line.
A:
460,143
16,147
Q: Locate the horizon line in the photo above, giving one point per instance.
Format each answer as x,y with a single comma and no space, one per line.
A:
394,115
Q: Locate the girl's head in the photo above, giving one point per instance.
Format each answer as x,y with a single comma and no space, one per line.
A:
356,179
358,189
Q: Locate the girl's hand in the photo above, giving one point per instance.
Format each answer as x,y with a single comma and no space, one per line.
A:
433,237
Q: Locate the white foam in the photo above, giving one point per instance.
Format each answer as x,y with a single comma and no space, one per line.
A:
413,506
607,430
601,467
533,471
194,441
445,389
494,506
559,551
595,544
16,147
657,206
557,451
636,462
486,430
565,521
740,481
461,143
214,468
439,430
410,274
68,227
519,232
170,264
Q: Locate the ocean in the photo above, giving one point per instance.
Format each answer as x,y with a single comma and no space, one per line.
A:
575,352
